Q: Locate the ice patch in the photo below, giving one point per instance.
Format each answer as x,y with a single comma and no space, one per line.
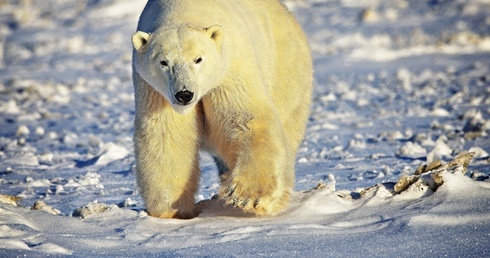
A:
51,248
13,244
25,159
412,150
449,221
111,152
37,183
10,107
6,231
380,49
441,112
91,178
479,152
441,150
39,131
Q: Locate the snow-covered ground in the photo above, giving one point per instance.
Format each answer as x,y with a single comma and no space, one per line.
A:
398,84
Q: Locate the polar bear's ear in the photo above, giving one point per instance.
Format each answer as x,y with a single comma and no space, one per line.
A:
140,39
215,32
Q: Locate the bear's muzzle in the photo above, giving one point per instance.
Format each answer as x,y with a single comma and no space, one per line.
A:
183,97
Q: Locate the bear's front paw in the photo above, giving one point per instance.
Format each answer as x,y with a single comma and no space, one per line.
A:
254,197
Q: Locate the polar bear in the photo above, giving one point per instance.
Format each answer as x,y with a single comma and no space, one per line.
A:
232,78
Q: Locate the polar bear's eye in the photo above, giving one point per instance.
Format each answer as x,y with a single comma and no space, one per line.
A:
198,60
164,63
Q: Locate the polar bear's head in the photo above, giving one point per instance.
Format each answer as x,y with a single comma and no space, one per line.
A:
182,63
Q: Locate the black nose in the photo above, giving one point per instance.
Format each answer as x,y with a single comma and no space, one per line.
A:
184,96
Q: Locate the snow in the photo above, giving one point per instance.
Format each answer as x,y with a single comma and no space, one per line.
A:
398,84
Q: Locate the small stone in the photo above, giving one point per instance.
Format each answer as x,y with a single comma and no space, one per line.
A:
22,131
368,15
39,131
42,206
90,209
462,159
21,141
404,182
9,199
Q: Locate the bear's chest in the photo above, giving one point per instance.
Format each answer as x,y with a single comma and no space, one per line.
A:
223,127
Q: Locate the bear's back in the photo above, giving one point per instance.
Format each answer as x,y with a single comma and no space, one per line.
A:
248,14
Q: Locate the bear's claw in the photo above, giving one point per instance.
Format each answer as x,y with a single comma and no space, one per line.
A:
256,204
259,203
239,203
232,190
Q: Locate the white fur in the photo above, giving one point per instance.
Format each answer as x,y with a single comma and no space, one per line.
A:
251,86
